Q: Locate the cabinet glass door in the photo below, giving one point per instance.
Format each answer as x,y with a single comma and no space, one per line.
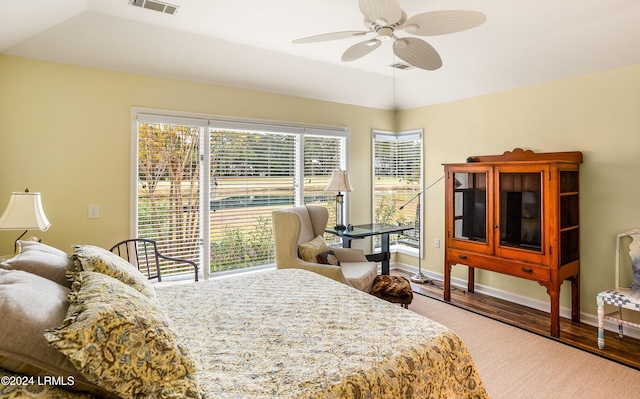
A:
470,206
520,210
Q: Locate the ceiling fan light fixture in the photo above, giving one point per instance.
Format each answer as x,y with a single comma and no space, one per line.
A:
381,22
385,33
401,43
411,28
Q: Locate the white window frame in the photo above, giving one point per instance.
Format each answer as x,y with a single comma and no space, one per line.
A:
209,121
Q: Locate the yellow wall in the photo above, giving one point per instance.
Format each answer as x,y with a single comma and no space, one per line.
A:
597,114
65,131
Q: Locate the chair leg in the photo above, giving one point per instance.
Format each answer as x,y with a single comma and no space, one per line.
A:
620,330
600,325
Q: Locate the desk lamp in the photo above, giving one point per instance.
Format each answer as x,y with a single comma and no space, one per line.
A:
339,182
24,212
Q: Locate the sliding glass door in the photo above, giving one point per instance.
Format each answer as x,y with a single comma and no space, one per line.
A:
205,189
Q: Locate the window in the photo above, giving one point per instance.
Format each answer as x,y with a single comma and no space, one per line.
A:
397,179
322,155
167,189
206,187
252,173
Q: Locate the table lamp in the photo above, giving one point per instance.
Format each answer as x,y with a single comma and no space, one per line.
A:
339,182
24,212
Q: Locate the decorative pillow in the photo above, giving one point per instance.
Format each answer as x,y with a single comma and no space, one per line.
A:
328,258
309,251
30,304
122,341
96,259
41,259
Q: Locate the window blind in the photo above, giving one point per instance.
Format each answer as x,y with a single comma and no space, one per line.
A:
322,155
253,173
397,178
207,187
168,202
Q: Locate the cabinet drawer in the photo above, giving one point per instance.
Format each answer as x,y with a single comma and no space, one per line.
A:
514,268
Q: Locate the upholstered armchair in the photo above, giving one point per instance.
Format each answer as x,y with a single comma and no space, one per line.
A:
302,224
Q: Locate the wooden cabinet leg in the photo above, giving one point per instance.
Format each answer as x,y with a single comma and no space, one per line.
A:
575,299
447,281
554,297
471,280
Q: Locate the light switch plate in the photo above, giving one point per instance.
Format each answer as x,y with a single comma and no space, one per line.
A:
94,211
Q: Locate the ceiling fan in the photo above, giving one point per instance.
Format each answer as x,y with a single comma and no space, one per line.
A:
384,17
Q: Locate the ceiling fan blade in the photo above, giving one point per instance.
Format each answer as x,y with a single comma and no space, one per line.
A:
361,49
382,12
418,53
331,36
442,22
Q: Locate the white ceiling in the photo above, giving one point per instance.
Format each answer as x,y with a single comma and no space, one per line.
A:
247,44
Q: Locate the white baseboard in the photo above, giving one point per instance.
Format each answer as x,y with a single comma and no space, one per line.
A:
586,318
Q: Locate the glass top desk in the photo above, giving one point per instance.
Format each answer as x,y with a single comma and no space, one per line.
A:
367,230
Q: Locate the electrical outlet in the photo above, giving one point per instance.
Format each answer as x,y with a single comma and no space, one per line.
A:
94,211
436,243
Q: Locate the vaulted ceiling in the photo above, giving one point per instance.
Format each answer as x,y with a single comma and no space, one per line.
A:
248,44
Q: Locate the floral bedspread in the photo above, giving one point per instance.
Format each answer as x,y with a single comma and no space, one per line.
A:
295,334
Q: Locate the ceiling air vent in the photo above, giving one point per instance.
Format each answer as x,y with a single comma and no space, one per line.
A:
155,6
401,65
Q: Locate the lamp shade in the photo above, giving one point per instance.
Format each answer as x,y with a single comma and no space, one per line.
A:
24,212
339,182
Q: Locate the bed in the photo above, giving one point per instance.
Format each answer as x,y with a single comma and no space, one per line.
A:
289,334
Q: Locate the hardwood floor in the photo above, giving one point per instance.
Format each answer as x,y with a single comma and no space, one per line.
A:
582,336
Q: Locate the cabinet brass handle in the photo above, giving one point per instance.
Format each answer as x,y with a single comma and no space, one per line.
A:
527,270
463,256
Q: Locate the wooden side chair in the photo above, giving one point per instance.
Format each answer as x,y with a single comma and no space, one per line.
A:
144,254
626,295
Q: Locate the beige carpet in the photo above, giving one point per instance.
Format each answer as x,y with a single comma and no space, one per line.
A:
517,364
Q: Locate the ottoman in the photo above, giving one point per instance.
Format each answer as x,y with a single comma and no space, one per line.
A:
395,289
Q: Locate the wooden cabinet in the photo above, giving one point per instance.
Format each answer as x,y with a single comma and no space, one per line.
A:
516,214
